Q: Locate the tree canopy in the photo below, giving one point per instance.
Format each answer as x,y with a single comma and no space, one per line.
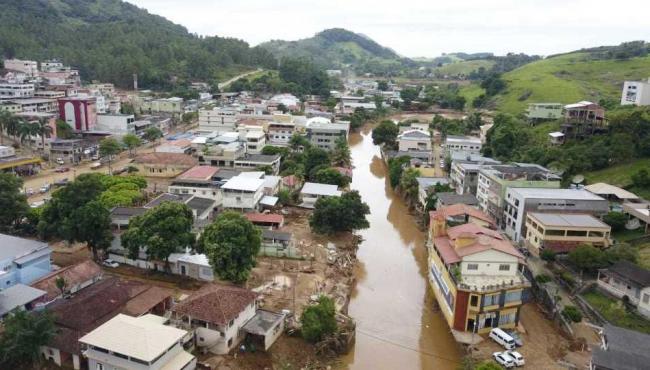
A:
318,320
23,335
385,133
13,204
337,214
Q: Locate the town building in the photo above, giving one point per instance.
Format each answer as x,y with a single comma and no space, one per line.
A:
218,119
612,193
36,105
242,193
458,214
636,93
19,297
493,181
163,164
450,198
16,90
28,67
426,186
255,141
323,134
79,112
76,277
627,282
116,124
620,349
468,144
137,343
476,276
538,112
414,140
583,119
22,261
69,150
520,201
149,105
268,221
280,133
561,233
312,191
202,181
639,212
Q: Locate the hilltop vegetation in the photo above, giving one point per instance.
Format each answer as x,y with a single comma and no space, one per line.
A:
338,48
109,40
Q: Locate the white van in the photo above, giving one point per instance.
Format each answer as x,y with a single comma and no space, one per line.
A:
502,338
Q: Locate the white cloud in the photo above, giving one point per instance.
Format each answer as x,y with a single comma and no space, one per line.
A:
421,27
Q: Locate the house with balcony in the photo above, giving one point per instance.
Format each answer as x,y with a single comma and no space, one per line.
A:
242,193
563,232
583,119
464,169
493,182
22,261
323,134
137,343
218,119
628,282
414,140
201,181
280,133
163,164
476,276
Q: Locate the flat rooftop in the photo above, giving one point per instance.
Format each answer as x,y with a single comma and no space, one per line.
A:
542,193
568,220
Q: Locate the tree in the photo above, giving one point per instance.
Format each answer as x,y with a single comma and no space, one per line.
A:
339,214
92,224
297,141
60,284
572,313
641,179
108,148
153,134
5,117
315,157
587,257
382,85
341,153
44,130
132,142
127,108
409,185
319,320
395,168
331,176
13,204
547,255
160,231
26,130
63,130
616,220
24,334
385,133
408,95
231,244
487,365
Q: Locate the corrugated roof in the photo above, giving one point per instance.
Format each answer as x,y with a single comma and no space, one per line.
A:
243,183
16,296
199,173
320,189
602,188
264,217
73,275
568,220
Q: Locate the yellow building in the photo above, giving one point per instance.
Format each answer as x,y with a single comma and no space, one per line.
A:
475,275
562,232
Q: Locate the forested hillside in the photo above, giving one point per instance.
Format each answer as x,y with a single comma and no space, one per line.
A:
109,40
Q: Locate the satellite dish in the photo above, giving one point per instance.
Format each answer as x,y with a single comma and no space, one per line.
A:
578,179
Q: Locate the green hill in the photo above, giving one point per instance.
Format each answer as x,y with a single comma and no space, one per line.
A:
338,48
566,78
463,67
109,40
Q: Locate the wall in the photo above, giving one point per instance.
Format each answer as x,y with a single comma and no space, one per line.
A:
489,262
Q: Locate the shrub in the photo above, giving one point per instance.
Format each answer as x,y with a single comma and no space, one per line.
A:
547,255
319,320
616,220
568,278
572,313
542,278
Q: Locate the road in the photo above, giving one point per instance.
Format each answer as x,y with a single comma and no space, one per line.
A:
227,83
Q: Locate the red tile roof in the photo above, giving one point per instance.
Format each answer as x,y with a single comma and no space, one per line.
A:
290,180
199,173
214,303
484,239
166,159
73,275
462,209
265,218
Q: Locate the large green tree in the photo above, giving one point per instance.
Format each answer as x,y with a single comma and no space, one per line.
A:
314,157
331,176
385,133
409,185
132,142
338,214
13,204
23,335
231,244
318,320
341,155
160,231
108,148
91,224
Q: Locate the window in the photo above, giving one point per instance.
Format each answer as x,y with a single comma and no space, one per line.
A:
513,296
504,267
491,300
472,266
473,301
100,366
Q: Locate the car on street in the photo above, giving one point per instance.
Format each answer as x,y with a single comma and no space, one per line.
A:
95,165
45,188
29,192
60,161
110,263
516,357
62,169
503,359
518,341
61,182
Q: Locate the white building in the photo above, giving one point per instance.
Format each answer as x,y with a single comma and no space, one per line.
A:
218,119
323,134
7,151
28,67
313,191
242,192
255,141
15,90
280,133
116,124
414,140
137,343
467,144
636,92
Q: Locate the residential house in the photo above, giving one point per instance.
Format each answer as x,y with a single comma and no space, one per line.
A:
19,297
620,349
583,119
464,169
137,343
323,134
538,112
255,141
264,328
457,214
639,212
195,266
242,193
36,105
520,201
266,220
426,186
163,164
28,67
16,90
418,158
636,93
475,274
22,261
449,198
612,193
76,277
249,162
116,123
280,133
199,180
414,140
628,282
467,144
277,243
493,182
218,119
149,105
70,150
312,191
561,233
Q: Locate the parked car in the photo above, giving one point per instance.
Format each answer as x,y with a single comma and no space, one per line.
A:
502,338
95,165
518,341
517,358
29,192
503,359
61,182
37,204
62,169
45,188
95,157
110,263
60,161
120,170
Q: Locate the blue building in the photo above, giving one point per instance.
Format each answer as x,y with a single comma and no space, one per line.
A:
22,260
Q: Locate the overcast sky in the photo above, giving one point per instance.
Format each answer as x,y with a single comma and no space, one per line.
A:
416,28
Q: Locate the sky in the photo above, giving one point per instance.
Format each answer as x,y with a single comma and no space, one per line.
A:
421,28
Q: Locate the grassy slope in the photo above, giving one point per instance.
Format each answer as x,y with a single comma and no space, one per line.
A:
614,312
464,67
471,91
569,78
621,176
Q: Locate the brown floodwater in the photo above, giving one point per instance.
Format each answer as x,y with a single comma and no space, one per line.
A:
398,325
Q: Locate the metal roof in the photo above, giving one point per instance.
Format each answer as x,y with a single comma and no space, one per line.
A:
17,248
16,296
568,220
320,189
243,183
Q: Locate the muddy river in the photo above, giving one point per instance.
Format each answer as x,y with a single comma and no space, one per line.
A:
398,325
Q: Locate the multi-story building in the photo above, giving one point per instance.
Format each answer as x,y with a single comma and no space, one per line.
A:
137,343
202,181
116,124
79,112
242,193
468,144
279,133
218,119
22,261
28,67
70,150
544,111
520,201
255,141
39,105
476,276
148,105
16,90
464,171
636,93
324,134
52,65
561,233
10,106
414,140
49,94
583,119
493,182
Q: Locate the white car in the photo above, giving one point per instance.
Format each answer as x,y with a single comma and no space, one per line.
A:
503,359
110,263
516,357
60,161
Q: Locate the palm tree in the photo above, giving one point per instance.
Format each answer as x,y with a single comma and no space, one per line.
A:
26,130
11,125
44,130
5,116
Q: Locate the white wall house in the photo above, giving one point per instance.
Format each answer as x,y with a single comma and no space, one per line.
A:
10,90
636,92
116,124
471,145
218,119
414,140
28,67
242,193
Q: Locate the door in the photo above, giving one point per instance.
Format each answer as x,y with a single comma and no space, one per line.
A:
183,272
